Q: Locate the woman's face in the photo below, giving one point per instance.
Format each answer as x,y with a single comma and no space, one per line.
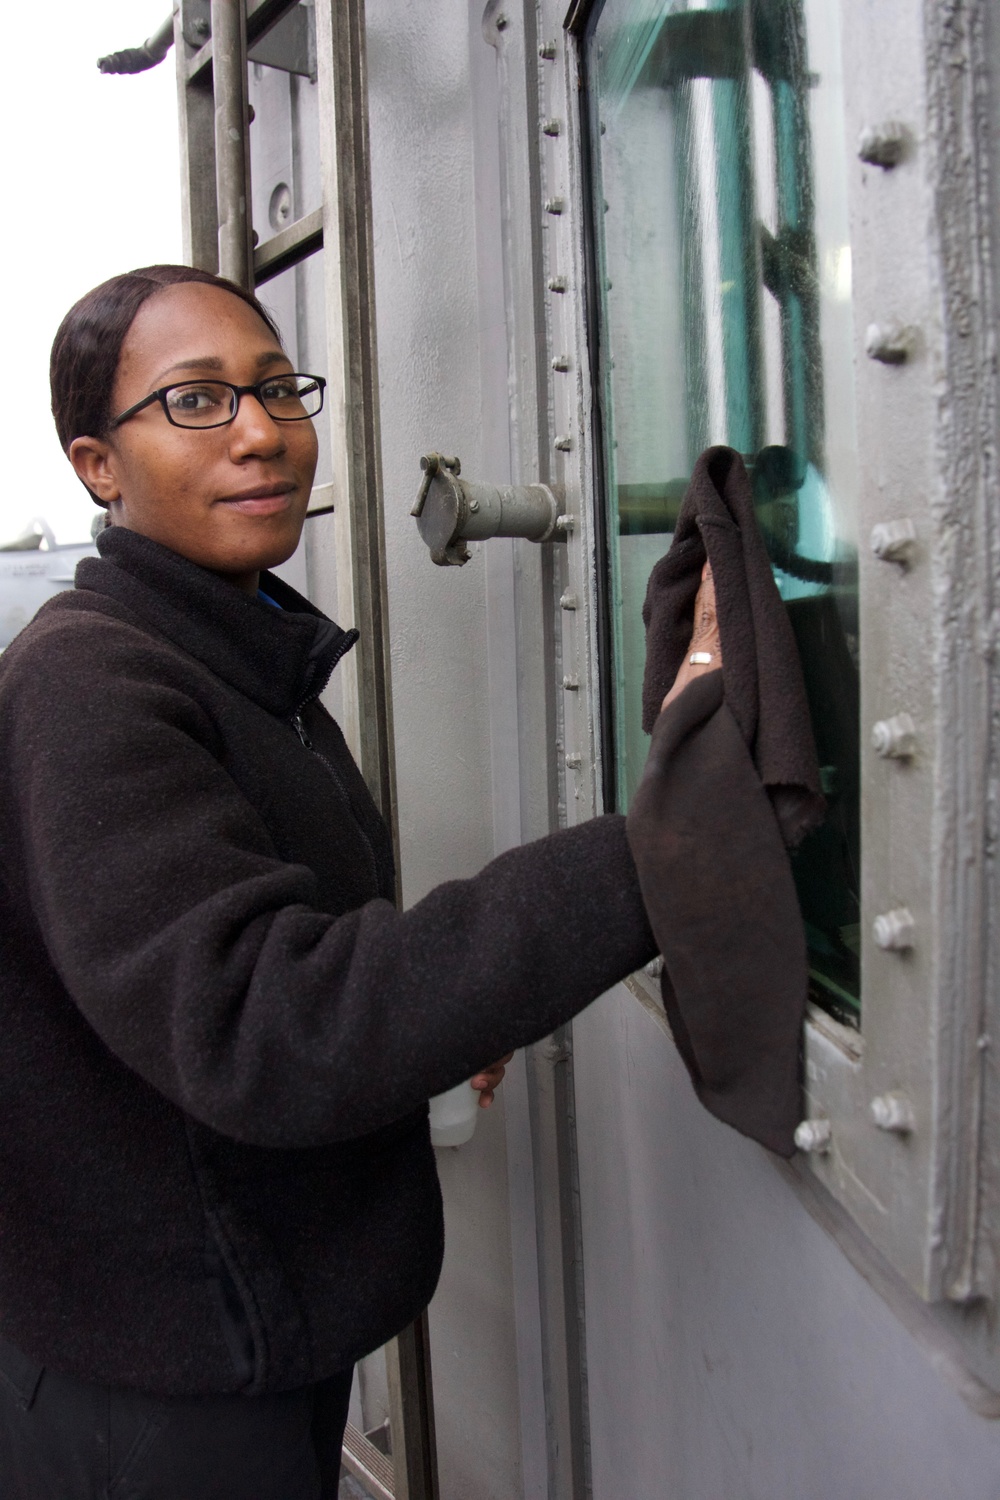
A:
233,498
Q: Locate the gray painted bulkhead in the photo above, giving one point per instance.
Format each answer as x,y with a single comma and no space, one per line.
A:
733,1352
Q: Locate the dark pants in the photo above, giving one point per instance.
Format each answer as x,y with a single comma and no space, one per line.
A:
64,1439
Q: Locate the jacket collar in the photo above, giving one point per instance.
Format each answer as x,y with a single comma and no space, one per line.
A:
280,658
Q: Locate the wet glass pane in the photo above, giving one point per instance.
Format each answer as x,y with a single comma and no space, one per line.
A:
284,133
295,301
718,175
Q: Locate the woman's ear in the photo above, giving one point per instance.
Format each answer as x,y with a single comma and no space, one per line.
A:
94,462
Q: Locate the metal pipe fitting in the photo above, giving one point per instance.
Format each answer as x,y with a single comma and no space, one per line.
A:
450,511
137,59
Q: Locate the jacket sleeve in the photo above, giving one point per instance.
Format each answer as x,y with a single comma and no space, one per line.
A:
199,957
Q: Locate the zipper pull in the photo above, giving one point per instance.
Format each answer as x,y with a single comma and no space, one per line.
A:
299,728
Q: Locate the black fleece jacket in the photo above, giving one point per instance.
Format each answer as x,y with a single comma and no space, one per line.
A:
219,1035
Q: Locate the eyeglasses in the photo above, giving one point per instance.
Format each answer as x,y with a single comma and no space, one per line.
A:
214,403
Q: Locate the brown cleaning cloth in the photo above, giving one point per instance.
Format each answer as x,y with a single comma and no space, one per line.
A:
730,785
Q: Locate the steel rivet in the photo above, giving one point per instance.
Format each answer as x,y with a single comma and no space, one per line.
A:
890,343
814,1136
894,930
895,738
883,145
893,1112
892,541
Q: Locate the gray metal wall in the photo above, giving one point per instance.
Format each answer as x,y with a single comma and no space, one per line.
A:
432,309
733,1351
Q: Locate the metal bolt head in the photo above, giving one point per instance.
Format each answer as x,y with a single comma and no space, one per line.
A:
574,760
883,145
893,1112
564,443
890,343
895,930
655,966
556,283
554,205
569,600
547,51
551,127
501,22
892,541
814,1136
895,738
571,684
561,363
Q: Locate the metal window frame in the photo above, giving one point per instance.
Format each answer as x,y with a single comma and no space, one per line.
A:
918,1213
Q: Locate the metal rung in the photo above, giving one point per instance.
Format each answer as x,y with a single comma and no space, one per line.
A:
370,1467
288,247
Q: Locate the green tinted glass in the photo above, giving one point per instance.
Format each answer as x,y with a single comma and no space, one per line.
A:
723,263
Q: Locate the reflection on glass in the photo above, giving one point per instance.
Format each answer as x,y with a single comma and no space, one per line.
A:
295,301
284,134
723,263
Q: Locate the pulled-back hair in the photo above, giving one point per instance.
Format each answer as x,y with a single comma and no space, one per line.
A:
88,345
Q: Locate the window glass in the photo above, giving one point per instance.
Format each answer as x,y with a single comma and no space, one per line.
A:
723,269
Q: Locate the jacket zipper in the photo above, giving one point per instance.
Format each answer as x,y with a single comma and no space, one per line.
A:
307,744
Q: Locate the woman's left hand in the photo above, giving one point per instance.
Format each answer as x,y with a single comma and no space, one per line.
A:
489,1079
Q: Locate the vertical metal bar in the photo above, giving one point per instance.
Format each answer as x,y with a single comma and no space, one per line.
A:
361,585
232,148
411,1413
195,112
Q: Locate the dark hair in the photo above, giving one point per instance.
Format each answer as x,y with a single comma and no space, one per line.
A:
88,345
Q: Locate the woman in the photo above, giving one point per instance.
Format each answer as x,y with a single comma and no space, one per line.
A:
217,1189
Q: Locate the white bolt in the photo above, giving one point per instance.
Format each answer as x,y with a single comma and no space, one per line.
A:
894,930
551,127
574,760
893,1112
547,51
655,966
571,684
566,522
895,738
563,443
890,343
814,1136
568,600
561,362
556,283
554,205
892,540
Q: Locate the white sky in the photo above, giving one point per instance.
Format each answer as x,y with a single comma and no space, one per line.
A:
93,188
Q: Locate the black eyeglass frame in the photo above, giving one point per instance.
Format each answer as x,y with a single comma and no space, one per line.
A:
238,392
